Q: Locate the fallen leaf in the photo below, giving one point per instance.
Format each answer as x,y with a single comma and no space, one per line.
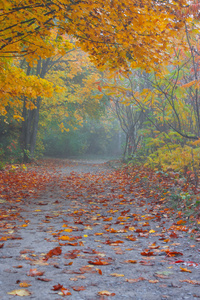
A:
24,284
135,279
106,293
78,288
100,262
35,272
43,279
154,281
57,287
191,281
55,251
147,252
117,275
64,292
20,292
185,270
131,261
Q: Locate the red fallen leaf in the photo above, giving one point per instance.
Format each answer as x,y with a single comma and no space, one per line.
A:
1,245
177,262
99,262
55,251
172,253
173,235
131,238
72,254
57,287
153,246
26,251
65,291
99,271
35,272
78,288
146,263
89,251
147,252
113,242
141,230
72,244
43,279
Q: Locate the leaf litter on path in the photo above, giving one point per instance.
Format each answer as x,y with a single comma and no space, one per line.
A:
96,217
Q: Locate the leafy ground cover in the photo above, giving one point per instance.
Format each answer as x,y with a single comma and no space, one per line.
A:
84,230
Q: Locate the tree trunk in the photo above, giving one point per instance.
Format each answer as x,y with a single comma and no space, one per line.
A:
31,117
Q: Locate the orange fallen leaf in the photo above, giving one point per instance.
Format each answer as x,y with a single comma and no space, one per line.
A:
99,262
99,271
35,272
106,293
131,261
68,230
185,270
66,238
24,284
78,288
55,251
147,252
64,292
135,279
191,281
180,222
154,281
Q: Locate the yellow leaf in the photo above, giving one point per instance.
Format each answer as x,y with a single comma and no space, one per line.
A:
117,275
68,230
131,228
24,284
20,292
64,238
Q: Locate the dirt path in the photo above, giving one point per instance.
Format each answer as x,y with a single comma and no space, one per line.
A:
98,235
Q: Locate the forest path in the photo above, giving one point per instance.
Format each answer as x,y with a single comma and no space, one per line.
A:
97,233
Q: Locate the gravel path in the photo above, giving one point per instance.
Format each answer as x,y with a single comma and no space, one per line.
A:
110,241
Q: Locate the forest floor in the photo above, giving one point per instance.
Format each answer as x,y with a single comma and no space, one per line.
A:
84,230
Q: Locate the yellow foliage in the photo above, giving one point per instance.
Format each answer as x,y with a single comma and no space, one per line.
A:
175,157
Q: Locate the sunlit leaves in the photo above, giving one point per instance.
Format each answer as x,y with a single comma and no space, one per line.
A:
20,292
